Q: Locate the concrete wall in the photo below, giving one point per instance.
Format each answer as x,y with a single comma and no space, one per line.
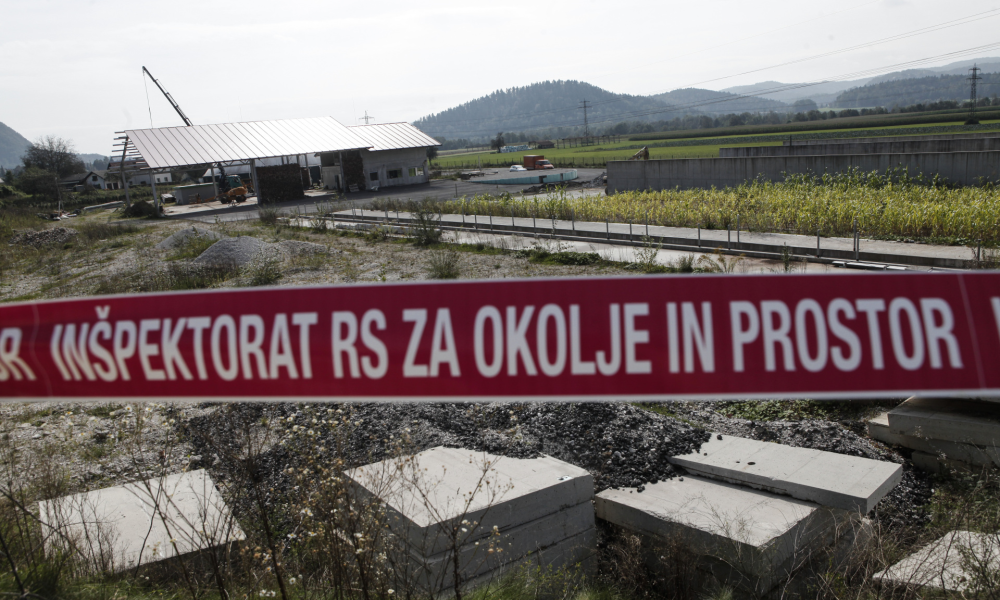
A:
383,161
959,167
900,138
879,147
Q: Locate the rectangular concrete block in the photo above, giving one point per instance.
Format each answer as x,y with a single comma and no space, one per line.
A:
433,491
835,480
761,535
514,544
577,554
878,429
945,563
120,527
964,421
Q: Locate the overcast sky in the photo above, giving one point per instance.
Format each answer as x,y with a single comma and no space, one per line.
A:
73,68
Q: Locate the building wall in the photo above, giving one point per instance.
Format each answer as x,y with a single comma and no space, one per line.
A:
965,168
384,162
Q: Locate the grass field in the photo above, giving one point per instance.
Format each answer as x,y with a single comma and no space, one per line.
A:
684,146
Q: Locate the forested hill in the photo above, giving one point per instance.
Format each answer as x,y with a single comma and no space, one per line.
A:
540,105
12,147
708,101
904,92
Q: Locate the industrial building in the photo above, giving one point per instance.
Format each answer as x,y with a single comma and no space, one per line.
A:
362,157
397,156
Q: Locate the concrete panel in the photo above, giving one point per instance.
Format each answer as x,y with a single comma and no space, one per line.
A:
846,482
510,546
878,429
434,490
120,527
899,138
964,421
579,550
964,168
756,533
942,564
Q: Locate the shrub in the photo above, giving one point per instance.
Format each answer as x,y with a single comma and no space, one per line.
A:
443,264
140,209
263,269
426,230
268,215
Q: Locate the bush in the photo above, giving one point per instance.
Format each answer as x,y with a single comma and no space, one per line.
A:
104,231
37,182
263,269
268,215
426,230
140,209
443,264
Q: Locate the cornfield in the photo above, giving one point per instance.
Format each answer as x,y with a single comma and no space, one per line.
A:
890,206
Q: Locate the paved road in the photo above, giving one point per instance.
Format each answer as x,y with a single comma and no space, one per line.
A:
442,189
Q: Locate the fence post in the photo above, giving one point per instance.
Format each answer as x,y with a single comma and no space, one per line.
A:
818,251
737,230
699,236
572,219
857,242
513,226
534,225
729,237
630,230
607,227
647,223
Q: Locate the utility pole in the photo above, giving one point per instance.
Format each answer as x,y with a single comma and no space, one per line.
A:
972,96
586,124
367,117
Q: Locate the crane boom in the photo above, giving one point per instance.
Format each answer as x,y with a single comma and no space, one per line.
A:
170,99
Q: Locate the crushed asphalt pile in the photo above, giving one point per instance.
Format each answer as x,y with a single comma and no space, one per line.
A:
186,236
37,239
620,444
240,251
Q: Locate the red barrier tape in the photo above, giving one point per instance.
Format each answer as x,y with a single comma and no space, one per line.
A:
653,337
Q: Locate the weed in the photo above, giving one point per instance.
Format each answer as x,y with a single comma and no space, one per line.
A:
426,229
443,264
542,256
378,233
718,262
192,247
645,257
104,231
263,269
268,215
786,258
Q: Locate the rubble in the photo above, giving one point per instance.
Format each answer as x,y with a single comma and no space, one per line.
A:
37,239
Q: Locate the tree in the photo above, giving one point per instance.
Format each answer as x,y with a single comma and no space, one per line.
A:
432,152
37,182
497,142
804,105
54,155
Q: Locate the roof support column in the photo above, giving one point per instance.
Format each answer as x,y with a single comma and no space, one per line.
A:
343,181
253,178
156,197
215,184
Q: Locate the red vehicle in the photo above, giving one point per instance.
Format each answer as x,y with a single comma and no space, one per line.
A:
536,161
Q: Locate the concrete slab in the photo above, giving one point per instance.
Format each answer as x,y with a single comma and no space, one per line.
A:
760,535
964,421
505,547
435,490
118,528
878,429
957,562
835,480
578,552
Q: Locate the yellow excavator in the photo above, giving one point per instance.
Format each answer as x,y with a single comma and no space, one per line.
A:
641,154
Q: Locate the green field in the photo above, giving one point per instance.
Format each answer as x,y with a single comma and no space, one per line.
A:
685,146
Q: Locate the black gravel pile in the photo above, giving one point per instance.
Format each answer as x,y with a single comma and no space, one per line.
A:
37,239
620,444
902,506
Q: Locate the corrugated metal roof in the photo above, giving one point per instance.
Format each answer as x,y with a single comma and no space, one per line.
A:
394,136
167,147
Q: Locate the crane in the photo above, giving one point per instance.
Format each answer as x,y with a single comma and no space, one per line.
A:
177,107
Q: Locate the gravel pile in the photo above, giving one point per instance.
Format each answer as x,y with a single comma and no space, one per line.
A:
300,248
230,252
184,236
56,235
620,444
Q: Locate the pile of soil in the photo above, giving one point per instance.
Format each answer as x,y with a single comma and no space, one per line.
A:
43,237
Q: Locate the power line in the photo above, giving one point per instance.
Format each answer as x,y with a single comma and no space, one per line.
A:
782,88
921,31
